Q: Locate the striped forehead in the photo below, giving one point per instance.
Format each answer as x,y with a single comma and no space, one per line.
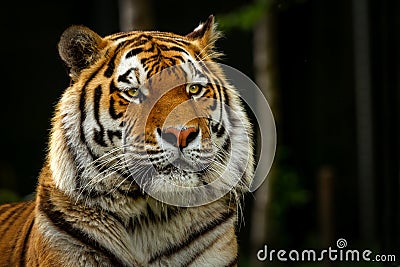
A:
156,50
146,57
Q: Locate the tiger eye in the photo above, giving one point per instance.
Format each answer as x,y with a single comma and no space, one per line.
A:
194,89
133,92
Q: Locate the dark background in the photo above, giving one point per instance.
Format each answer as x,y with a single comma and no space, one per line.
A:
323,61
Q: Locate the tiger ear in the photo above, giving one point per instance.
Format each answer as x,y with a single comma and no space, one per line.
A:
206,34
79,47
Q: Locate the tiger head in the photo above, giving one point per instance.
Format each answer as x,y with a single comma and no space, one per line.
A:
151,112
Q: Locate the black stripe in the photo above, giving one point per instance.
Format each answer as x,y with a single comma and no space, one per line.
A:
218,87
152,58
98,134
111,134
196,255
82,110
122,35
175,248
57,219
172,61
197,72
126,174
150,214
24,245
172,48
116,217
111,65
171,40
233,262
135,194
158,35
164,217
169,213
16,239
177,49
217,100
5,207
145,37
134,52
221,108
226,147
124,77
214,126
18,209
113,88
227,103
221,130
180,58
122,103
93,193
143,63
114,115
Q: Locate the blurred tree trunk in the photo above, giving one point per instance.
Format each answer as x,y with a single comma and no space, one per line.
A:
265,71
135,15
364,117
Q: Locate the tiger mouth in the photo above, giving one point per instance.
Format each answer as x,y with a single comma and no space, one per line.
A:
180,166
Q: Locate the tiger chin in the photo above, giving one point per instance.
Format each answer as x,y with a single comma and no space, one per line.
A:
146,127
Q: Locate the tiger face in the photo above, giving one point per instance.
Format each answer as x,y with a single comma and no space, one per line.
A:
170,125
149,112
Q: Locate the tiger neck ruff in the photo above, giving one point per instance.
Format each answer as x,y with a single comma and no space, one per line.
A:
145,119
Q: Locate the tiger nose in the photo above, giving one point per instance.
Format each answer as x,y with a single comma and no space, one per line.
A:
179,137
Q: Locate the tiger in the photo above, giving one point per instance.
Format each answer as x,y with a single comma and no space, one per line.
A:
143,113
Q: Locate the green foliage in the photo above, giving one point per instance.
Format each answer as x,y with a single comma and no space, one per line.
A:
287,192
247,16
244,18
8,196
